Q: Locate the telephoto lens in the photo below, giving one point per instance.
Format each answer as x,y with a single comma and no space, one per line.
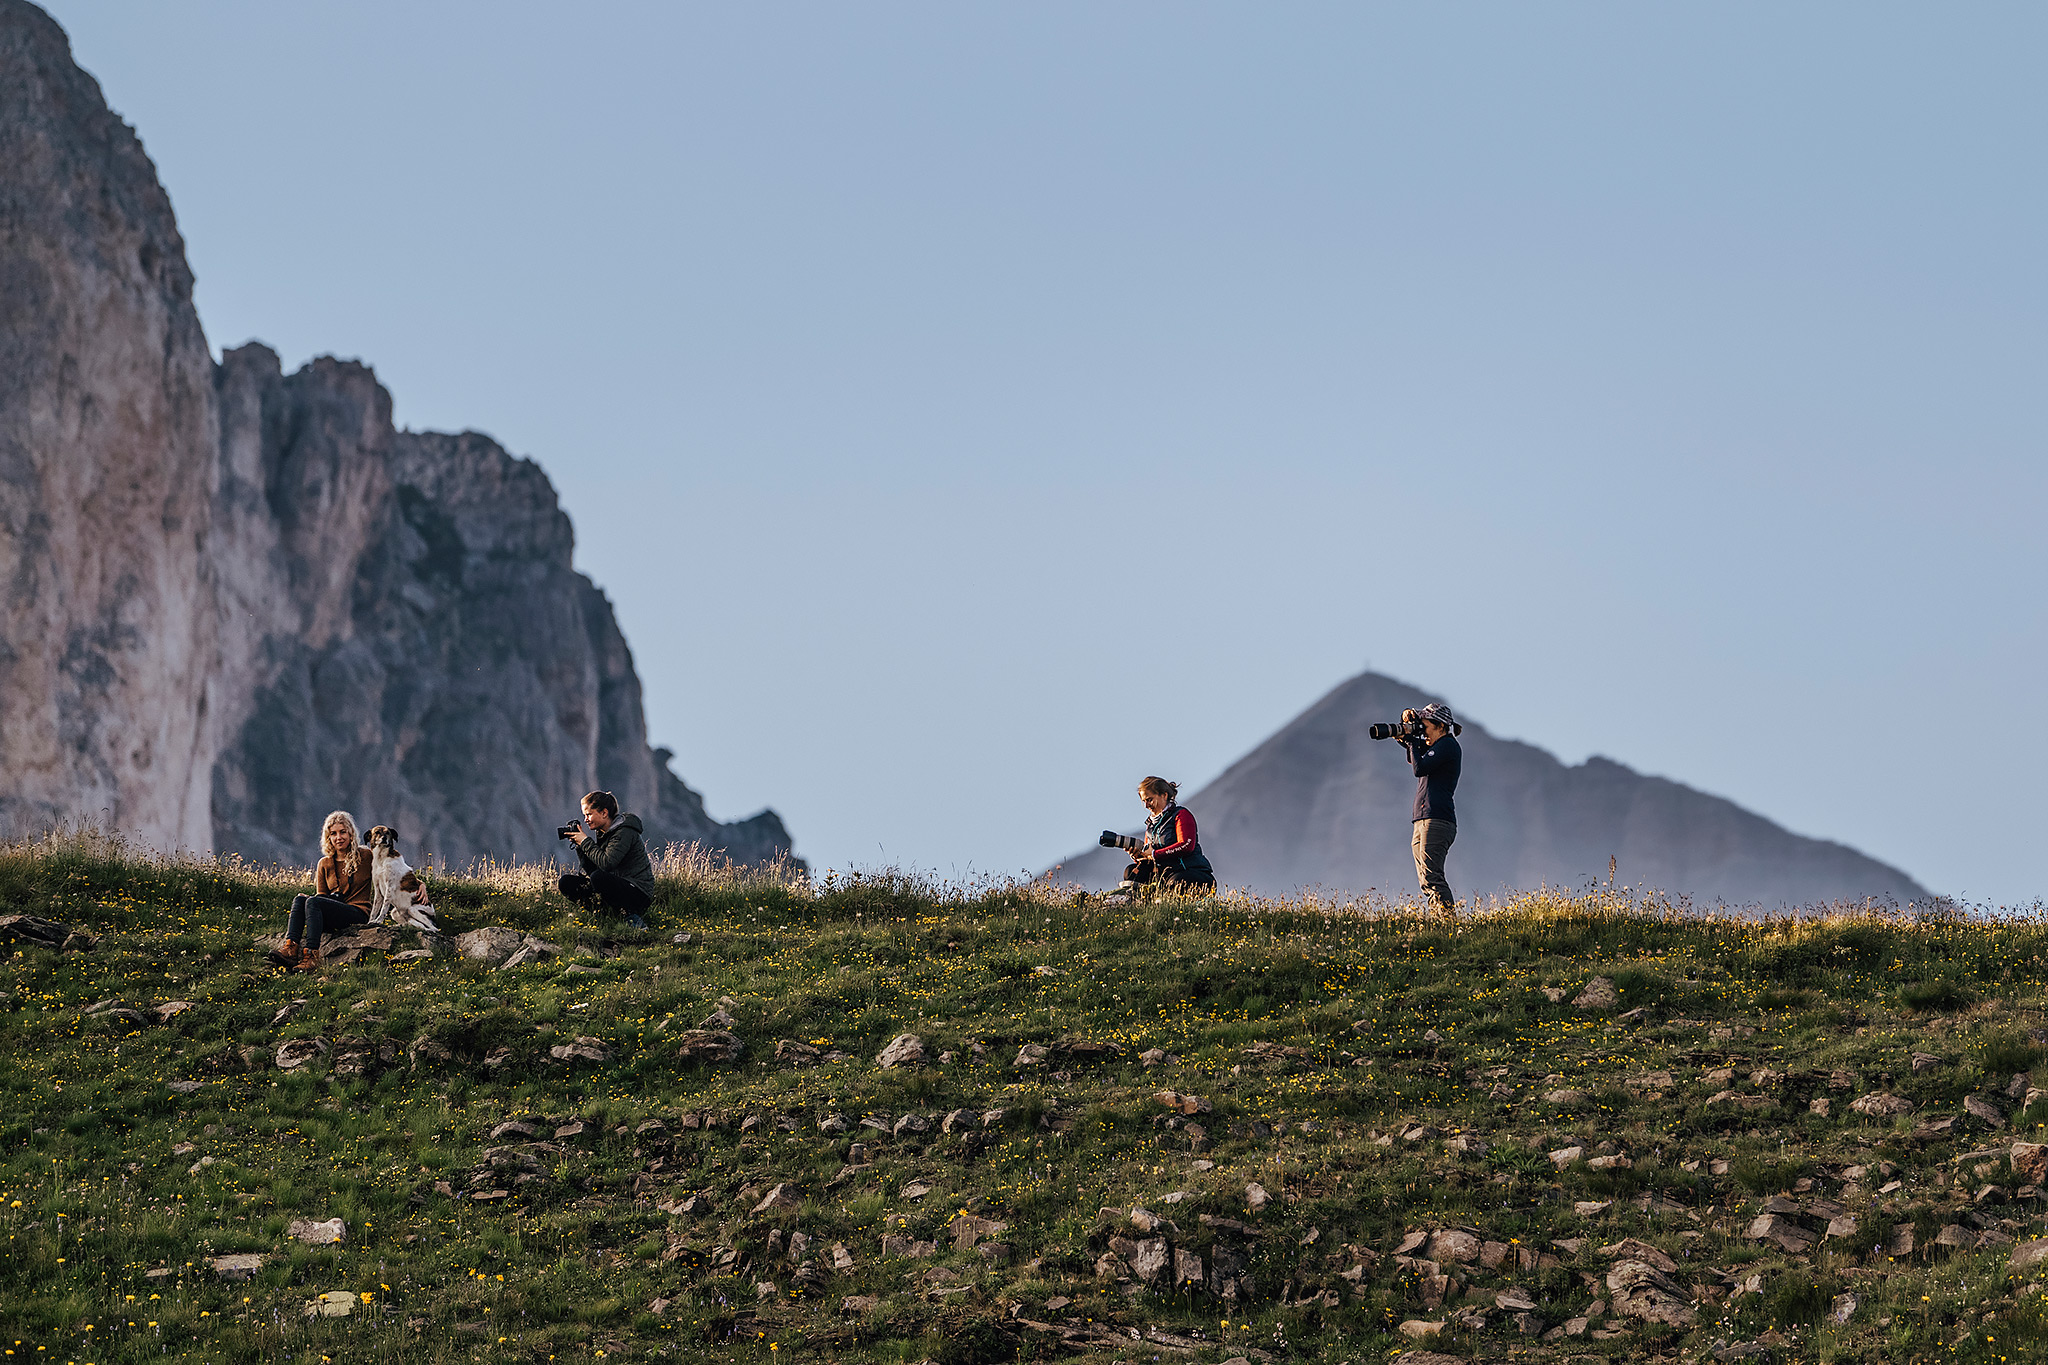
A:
1111,839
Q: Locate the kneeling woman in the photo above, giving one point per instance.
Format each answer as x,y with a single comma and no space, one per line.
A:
1171,853
341,894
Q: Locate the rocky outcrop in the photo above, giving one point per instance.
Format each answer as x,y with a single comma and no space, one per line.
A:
415,642
1321,804
107,444
237,599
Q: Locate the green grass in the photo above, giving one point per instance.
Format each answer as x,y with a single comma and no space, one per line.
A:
1397,1019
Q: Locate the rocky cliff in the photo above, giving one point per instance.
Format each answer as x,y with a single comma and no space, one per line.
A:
1321,804
107,442
237,599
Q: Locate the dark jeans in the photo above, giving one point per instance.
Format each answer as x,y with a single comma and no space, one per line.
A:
1431,842
1145,871
609,891
314,915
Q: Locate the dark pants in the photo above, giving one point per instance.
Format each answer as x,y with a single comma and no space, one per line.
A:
1146,872
1431,842
313,916
609,891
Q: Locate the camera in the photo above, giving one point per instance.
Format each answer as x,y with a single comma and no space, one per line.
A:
1111,839
1400,729
569,830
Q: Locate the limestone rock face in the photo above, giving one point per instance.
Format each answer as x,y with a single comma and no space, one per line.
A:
418,647
236,599
107,448
1322,804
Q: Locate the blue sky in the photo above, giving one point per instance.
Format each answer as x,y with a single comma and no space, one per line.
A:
971,409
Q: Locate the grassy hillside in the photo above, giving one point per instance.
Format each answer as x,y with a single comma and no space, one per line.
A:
1378,1118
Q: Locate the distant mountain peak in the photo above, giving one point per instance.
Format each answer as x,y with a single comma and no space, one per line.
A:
1321,804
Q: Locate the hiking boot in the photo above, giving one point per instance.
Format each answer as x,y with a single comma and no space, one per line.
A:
285,954
309,961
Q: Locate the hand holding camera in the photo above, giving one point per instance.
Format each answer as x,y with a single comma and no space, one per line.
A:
1405,729
573,830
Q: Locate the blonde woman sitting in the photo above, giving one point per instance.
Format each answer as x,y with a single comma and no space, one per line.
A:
340,899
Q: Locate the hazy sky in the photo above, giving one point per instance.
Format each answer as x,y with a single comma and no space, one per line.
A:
972,409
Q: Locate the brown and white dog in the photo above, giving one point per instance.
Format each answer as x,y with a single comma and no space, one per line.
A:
397,894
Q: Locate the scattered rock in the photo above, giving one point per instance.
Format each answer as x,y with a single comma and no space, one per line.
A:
2026,1255
170,1010
1984,1111
1154,1056
1455,1244
1255,1196
319,1234
709,1045
1565,1156
1184,1104
426,1050
1925,1061
794,1053
337,1303
781,1197
1630,1248
44,933
297,1052
1031,1054
492,944
842,1259
905,1049
1781,1232
858,1303
1880,1105
1416,1329
1568,1099
1599,994
240,1267
587,1049
1640,1290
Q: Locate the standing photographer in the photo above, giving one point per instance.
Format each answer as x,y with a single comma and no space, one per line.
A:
616,873
1436,758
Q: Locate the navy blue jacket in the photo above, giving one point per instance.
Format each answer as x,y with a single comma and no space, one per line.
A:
1436,777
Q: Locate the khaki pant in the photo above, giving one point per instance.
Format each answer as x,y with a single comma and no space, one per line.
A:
1431,842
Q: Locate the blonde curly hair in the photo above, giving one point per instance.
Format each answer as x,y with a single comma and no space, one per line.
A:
346,863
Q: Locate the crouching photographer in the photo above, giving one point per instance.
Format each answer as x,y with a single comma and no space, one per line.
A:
616,875
1169,855
1430,737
